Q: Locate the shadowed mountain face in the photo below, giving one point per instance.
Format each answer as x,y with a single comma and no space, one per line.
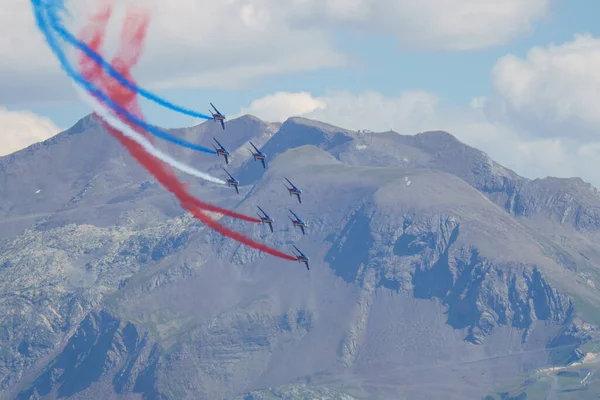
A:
435,272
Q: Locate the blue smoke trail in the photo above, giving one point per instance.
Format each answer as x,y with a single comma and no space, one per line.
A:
72,40
38,8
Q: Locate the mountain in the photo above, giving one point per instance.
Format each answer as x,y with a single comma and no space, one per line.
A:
85,169
436,273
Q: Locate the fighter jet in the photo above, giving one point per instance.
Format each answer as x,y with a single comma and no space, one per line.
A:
232,182
218,116
298,222
294,190
258,155
221,151
300,257
265,219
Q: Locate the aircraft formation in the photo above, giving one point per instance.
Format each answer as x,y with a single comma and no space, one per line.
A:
106,86
293,190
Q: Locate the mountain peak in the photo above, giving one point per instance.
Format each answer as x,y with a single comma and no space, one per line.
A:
315,124
243,121
437,140
249,117
90,121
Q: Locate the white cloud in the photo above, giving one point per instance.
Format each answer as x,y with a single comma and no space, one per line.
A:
552,89
20,129
417,111
431,24
226,44
279,106
369,110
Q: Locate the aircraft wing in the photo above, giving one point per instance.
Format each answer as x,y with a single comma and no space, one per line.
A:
294,214
307,267
220,145
299,198
290,183
299,252
228,173
263,211
213,106
263,163
302,229
226,159
237,190
271,226
252,144
222,124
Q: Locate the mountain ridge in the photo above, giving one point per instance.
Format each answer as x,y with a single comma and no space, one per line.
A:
410,237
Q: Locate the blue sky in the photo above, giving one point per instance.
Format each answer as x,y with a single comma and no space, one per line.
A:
456,77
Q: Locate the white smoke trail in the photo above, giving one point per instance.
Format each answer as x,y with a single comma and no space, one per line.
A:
116,123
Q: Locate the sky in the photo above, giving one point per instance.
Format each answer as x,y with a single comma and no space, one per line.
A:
518,79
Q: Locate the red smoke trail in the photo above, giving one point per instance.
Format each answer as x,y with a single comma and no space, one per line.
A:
133,34
132,38
97,26
130,50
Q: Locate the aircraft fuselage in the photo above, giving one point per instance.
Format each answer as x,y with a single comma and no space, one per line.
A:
305,261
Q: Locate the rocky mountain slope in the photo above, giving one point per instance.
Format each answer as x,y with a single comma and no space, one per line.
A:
435,272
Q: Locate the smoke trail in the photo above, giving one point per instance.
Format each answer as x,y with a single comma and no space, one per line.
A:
188,202
137,30
100,95
135,27
128,54
50,12
157,169
142,141
170,182
93,55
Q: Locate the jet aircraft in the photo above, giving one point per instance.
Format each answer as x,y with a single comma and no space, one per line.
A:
265,219
258,155
221,151
294,190
298,222
300,257
232,182
218,116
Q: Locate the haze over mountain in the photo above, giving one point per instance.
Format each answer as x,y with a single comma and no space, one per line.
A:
436,273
